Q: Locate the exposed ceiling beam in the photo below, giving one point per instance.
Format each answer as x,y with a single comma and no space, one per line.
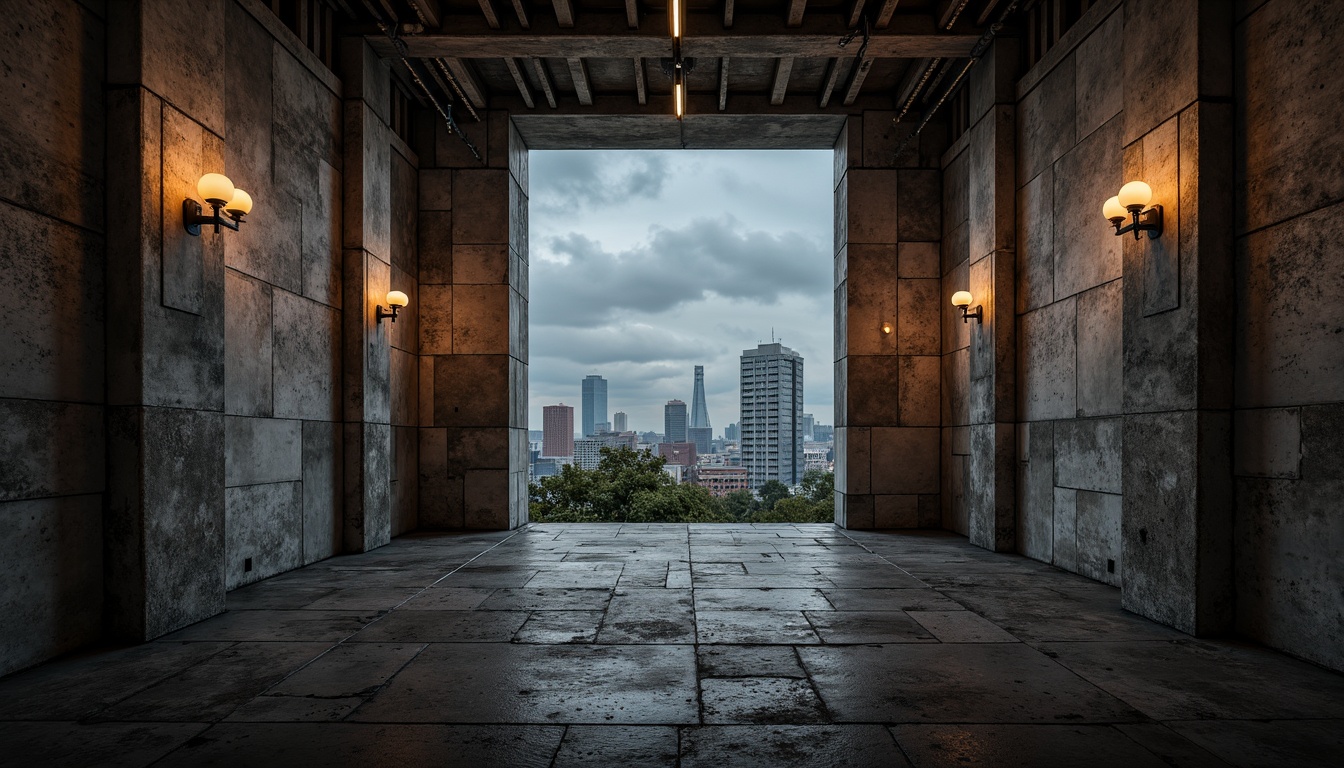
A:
564,13
641,82
915,76
544,81
856,79
428,10
579,71
520,80
828,82
632,15
795,17
985,14
855,12
520,10
467,80
780,89
884,14
951,11
723,83
488,10
727,13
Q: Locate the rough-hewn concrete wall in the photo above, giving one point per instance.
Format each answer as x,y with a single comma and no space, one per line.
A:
1070,283
1289,425
282,304
51,330
887,227
473,328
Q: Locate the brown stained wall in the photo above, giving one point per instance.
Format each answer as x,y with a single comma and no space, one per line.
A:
51,331
1289,422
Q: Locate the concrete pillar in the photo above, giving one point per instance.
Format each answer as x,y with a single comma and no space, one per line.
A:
991,496
888,223
366,279
473,328
1178,324
164,525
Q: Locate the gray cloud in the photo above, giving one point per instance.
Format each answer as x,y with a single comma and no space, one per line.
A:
592,179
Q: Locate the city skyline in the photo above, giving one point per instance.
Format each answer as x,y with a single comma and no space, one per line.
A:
646,264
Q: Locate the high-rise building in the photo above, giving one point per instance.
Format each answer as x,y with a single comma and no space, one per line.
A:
699,410
772,414
703,437
674,422
730,433
808,421
557,430
620,422
594,403
588,451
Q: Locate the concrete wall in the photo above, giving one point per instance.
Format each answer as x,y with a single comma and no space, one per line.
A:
473,331
1289,422
51,332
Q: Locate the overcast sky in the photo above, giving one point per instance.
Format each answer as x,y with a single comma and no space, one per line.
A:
646,264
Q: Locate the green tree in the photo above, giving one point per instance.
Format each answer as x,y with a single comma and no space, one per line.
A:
601,495
770,492
818,486
739,505
685,503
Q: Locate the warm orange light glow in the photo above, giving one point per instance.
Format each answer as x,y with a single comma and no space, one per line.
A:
397,299
961,299
677,94
676,19
1135,194
1112,209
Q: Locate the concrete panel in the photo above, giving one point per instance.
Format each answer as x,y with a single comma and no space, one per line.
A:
1173,173
481,264
440,495
51,309
1290,295
871,393
518,327
436,189
405,388
307,115
436,319
919,391
1101,350
1047,362
405,479
919,206
307,359
517,393
248,97
854,445
918,260
956,388
471,390
480,207
990,496
486,499
247,346
1035,242
366,77
1268,443
263,529
50,449
269,245
1046,123
1088,454
1098,536
1065,525
1290,155
366,217
870,207
1087,252
174,53
1161,62
262,450
919,329
481,319
322,490
183,354
368,493
187,151
322,238
435,247
904,460
840,217
1097,97
519,241
47,167
956,329
405,209
869,299
404,334
992,213
1036,490
895,512
991,82
956,193
52,578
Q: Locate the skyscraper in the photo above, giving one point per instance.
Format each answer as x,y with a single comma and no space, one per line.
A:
808,421
699,411
674,422
594,403
557,430
772,414
619,422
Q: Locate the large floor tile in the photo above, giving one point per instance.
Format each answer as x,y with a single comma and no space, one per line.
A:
796,746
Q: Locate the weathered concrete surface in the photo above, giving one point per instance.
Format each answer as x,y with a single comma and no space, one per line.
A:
263,531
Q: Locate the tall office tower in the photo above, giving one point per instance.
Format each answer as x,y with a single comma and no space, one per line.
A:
730,433
808,421
594,403
620,422
772,414
557,430
674,422
699,411
702,437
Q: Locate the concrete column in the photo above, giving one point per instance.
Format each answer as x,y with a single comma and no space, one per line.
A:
164,525
366,279
1178,324
990,495
888,223
473,328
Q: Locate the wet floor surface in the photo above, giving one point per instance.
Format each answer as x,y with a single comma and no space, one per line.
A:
710,645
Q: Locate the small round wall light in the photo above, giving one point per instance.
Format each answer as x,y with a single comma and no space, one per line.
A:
1130,204
886,328
963,299
395,301
219,193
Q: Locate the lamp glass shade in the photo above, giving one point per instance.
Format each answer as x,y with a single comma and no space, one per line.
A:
1113,209
1135,193
241,203
961,299
397,299
215,186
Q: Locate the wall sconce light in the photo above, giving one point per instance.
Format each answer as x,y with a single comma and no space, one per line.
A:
395,301
886,328
963,299
1130,204
219,192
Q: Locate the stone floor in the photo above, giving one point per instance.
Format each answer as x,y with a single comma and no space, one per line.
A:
713,645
